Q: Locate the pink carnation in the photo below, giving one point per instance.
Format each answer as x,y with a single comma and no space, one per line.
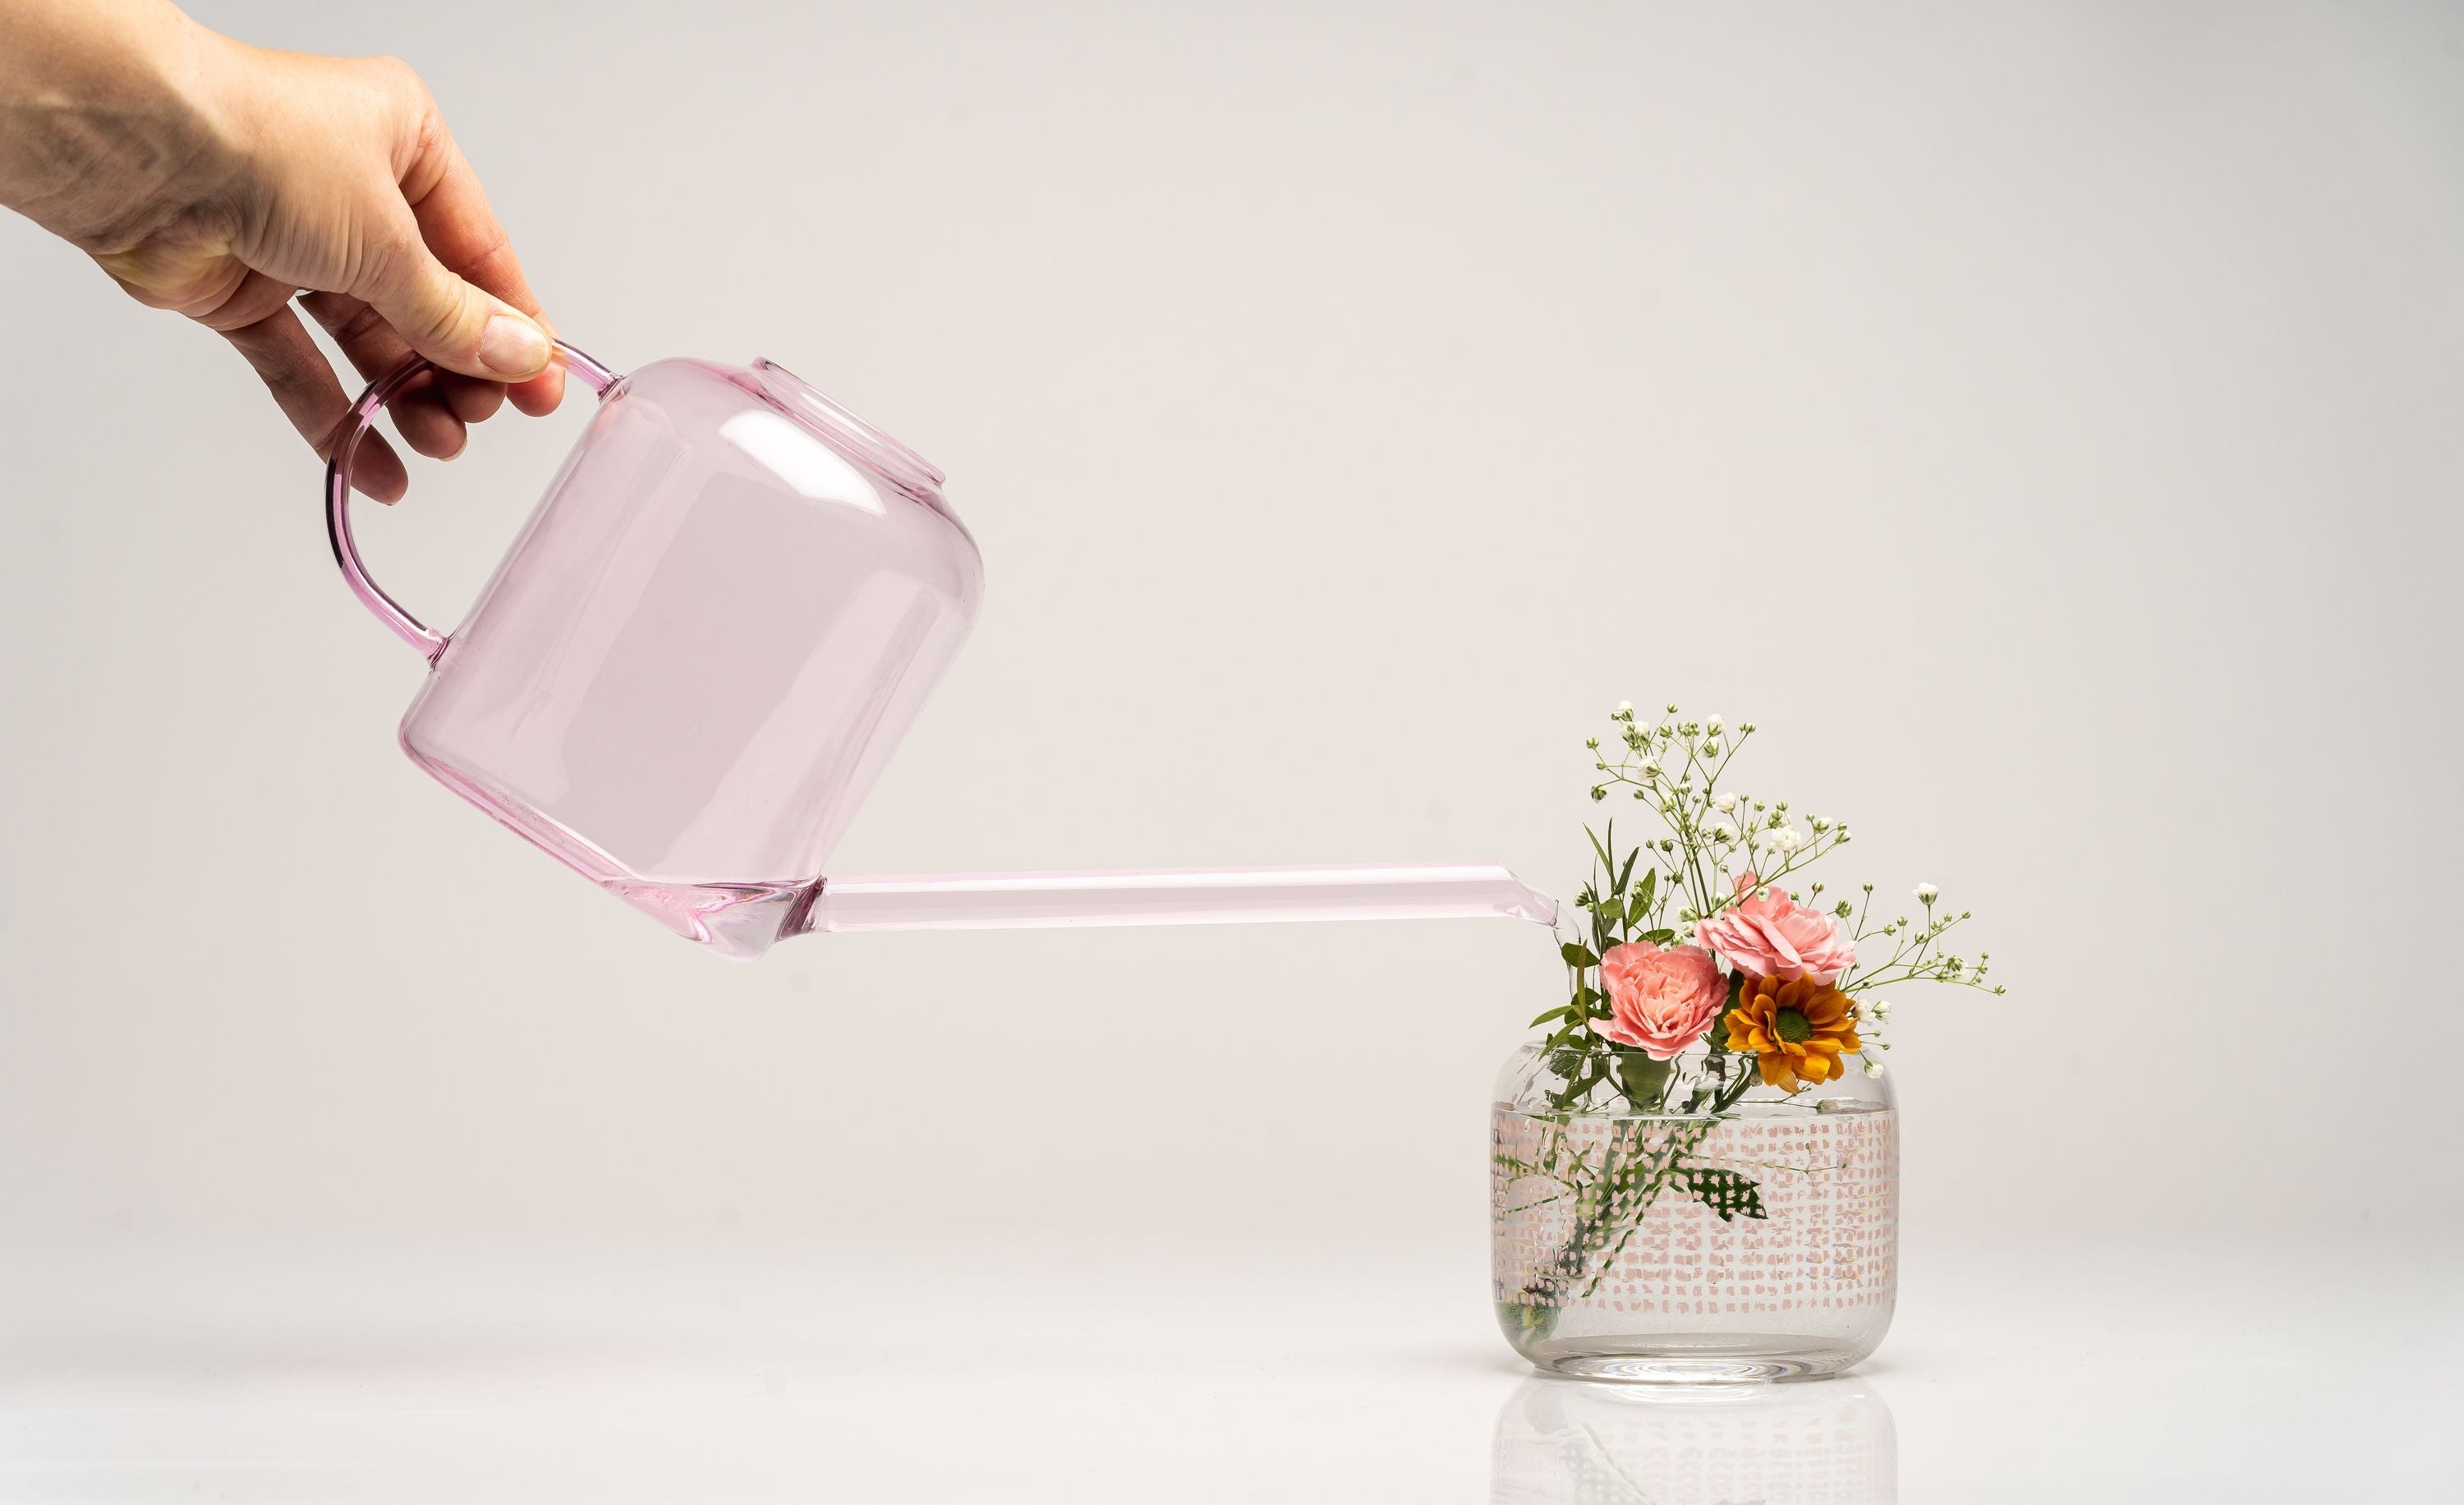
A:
1661,1001
1774,936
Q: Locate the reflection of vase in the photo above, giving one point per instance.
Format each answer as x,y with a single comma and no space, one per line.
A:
1756,1243
1569,1441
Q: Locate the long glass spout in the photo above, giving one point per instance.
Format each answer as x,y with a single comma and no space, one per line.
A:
1191,896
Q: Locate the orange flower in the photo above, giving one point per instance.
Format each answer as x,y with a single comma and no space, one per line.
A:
1797,1030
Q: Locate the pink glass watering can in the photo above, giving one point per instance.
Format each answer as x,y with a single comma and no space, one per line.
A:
705,642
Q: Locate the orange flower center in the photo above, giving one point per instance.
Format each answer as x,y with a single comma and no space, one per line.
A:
1791,1026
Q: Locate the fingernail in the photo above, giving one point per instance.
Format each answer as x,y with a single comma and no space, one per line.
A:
511,346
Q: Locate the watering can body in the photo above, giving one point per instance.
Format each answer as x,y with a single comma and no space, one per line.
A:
691,664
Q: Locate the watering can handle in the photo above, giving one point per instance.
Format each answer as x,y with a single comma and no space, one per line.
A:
338,492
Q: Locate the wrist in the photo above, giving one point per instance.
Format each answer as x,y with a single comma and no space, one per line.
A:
216,83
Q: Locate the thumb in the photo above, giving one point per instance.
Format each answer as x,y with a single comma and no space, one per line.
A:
452,324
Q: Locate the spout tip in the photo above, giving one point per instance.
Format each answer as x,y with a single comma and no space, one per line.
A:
1538,908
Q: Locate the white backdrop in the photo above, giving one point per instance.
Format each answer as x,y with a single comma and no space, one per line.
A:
2042,423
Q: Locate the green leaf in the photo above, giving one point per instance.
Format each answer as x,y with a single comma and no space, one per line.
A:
1724,1192
1600,851
1578,954
1643,894
1642,1079
1558,1012
1627,872
1661,936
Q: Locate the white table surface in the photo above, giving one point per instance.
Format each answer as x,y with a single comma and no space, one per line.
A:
2172,1369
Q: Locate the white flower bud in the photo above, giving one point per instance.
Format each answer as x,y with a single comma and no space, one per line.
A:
1712,723
1624,708
1882,1008
1723,831
1926,892
1872,1068
1725,803
1786,839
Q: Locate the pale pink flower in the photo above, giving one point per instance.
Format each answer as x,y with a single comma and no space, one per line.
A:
1661,1001
1774,936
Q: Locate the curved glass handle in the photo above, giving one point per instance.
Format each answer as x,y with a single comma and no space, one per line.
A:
338,492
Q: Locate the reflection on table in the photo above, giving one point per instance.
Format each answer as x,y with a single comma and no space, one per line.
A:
1572,1442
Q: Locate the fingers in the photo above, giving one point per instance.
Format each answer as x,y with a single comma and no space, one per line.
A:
456,224
443,235
450,321
471,400
444,319
257,298
539,397
278,347
422,413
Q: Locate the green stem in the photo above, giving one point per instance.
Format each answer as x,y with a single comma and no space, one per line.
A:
1625,1194
1682,1143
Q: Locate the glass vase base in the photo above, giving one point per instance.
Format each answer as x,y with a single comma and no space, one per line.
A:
1696,1358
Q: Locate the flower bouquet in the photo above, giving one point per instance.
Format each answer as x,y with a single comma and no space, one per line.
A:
1694,1174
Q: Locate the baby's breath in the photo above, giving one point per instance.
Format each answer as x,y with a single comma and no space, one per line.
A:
1717,846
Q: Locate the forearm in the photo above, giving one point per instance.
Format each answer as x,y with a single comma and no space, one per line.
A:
104,103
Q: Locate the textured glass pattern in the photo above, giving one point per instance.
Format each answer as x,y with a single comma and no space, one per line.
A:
1758,1245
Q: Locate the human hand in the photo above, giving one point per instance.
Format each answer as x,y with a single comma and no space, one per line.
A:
215,178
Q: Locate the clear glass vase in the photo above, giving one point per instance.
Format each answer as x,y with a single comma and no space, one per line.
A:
1686,1245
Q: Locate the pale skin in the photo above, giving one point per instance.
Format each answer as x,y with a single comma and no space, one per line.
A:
218,180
